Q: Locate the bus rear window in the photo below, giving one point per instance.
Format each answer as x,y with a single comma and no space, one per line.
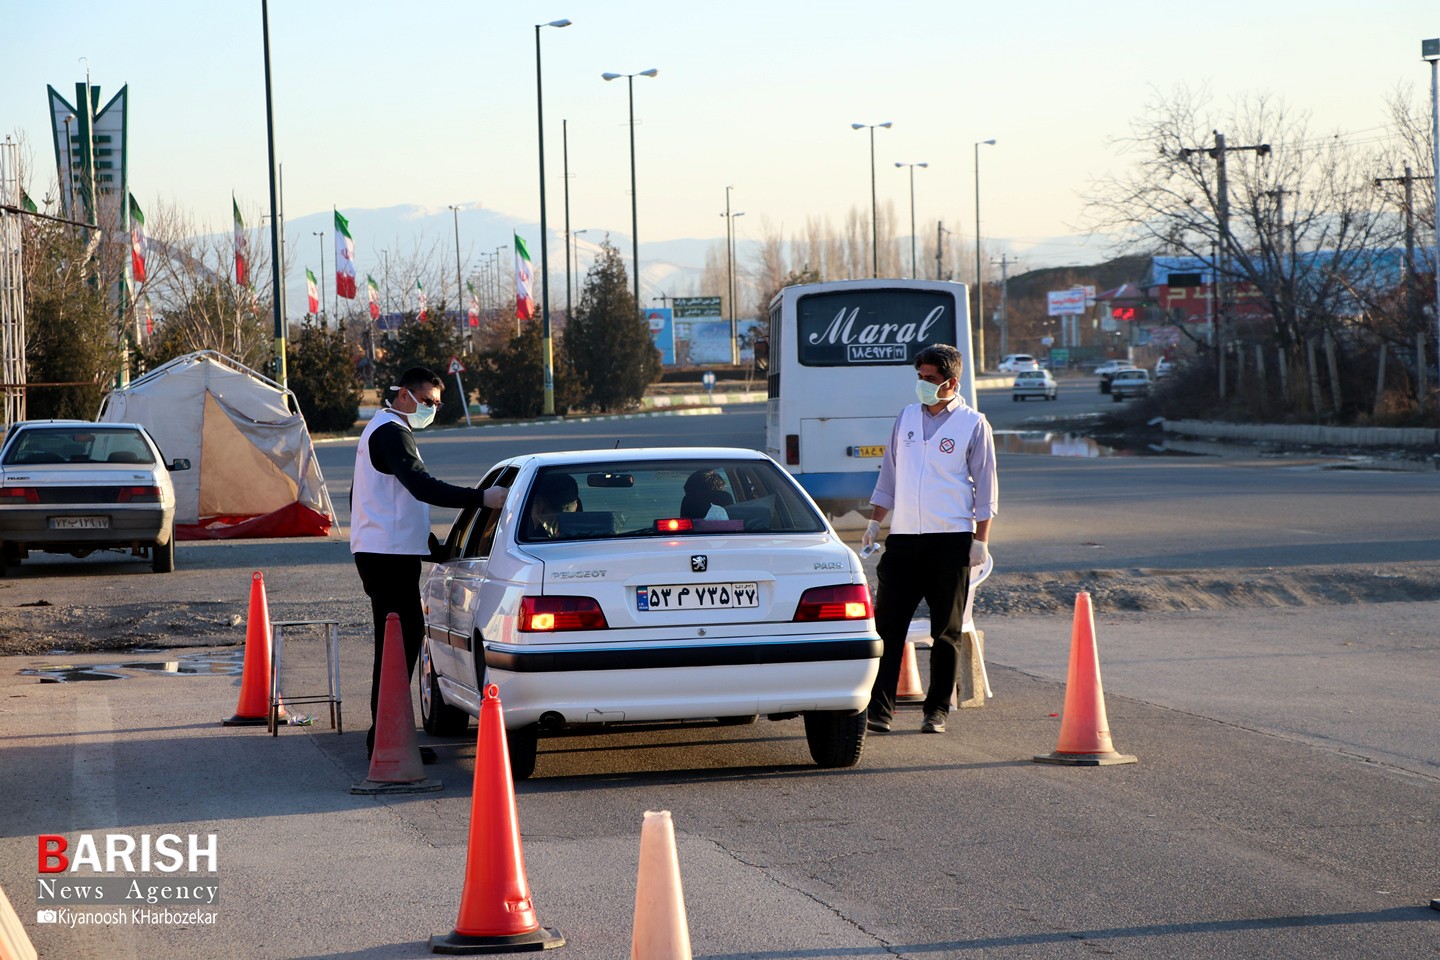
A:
871,327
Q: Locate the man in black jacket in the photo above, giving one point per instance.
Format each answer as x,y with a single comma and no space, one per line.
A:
390,517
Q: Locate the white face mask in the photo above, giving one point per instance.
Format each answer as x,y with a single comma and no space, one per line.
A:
421,418
929,393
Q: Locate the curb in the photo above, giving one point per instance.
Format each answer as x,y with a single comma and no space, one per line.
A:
588,418
1308,433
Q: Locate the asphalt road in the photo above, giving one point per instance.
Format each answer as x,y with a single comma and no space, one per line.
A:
1284,805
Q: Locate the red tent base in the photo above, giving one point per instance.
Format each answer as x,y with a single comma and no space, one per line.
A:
296,520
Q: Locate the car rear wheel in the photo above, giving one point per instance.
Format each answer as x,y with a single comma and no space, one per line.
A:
162,556
522,743
836,737
438,717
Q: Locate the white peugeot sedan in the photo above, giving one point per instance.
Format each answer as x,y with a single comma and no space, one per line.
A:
648,586
72,486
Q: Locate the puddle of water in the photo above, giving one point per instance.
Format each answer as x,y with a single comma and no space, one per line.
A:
1057,444
199,664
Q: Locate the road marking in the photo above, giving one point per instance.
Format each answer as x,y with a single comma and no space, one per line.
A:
92,799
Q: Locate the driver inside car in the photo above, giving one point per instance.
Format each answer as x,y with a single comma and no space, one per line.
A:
556,493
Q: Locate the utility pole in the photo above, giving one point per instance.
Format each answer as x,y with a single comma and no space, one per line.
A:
1222,210
1004,262
1412,293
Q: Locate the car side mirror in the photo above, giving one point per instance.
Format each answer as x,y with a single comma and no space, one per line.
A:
179,463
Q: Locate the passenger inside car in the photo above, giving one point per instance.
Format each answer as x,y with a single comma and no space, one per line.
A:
555,493
705,496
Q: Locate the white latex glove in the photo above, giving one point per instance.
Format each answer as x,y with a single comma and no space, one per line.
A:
494,497
979,553
867,540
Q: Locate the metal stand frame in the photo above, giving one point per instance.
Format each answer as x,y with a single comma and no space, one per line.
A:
332,664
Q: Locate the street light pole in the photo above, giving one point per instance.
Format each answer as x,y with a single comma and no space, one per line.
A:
277,256
912,166
730,275
321,235
634,205
565,154
548,350
1430,50
459,286
575,254
874,203
978,361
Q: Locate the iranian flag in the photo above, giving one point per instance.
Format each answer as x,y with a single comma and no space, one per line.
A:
242,255
313,289
137,241
524,282
374,290
421,314
344,259
474,310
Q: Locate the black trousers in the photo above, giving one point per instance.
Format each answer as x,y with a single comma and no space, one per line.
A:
393,585
933,567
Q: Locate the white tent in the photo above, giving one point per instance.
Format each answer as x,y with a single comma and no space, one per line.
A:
253,470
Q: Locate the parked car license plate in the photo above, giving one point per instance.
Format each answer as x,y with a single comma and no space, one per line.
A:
698,596
867,451
79,523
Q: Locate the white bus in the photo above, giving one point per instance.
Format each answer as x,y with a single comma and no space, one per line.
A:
841,367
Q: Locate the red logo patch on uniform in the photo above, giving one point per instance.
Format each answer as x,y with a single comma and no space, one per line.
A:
947,445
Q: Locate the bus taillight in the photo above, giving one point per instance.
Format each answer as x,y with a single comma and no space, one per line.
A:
792,449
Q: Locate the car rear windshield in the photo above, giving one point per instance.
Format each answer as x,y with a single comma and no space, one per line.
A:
664,498
49,445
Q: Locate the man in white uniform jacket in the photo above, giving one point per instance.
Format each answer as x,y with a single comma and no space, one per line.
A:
937,485
390,517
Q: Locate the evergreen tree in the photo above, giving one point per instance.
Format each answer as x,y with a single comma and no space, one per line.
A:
430,343
511,380
320,369
608,340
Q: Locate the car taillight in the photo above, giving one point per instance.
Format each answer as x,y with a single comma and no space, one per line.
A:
13,494
139,495
850,601
552,614
792,449
674,525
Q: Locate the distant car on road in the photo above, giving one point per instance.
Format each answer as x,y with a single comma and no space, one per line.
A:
1017,362
1107,370
650,586
1164,368
71,486
1127,384
1034,383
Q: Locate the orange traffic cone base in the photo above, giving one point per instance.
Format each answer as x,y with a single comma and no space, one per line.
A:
372,788
1086,759
239,721
458,944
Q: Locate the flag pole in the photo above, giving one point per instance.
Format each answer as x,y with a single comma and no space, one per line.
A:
277,281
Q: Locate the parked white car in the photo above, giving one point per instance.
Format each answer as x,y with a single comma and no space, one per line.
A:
1016,362
1164,368
1034,383
649,586
1107,370
72,486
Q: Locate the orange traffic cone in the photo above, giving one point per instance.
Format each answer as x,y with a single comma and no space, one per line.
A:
253,710
1084,729
661,931
395,765
496,913
909,688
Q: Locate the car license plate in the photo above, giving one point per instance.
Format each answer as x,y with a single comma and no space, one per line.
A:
698,596
79,523
867,451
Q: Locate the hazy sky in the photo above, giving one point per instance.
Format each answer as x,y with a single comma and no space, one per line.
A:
381,103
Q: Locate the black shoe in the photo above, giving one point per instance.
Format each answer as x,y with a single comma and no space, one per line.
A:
934,722
428,756
875,725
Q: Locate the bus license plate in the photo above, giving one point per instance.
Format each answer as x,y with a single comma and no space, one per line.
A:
867,451
79,523
697,596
